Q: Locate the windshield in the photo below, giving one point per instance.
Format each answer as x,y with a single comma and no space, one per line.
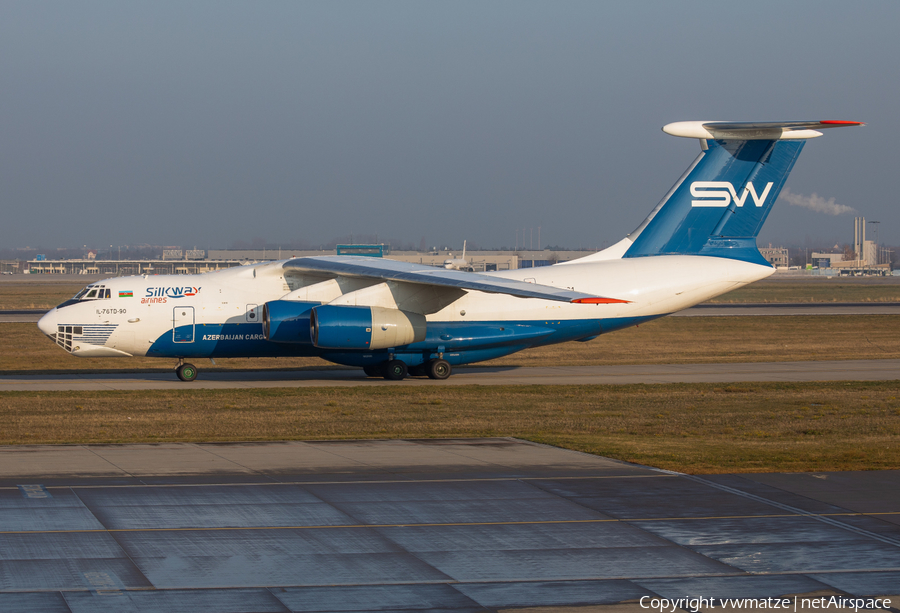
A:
91,292
81,293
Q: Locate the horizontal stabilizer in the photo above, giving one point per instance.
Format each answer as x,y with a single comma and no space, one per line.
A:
754,130
720,203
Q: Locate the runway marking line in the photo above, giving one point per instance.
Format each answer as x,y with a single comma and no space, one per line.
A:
443,525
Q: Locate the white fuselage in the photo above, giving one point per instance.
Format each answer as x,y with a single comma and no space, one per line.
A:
142,310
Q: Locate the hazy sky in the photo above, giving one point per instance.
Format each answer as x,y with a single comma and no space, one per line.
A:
204,123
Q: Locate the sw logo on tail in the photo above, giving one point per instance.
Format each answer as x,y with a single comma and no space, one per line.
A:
721,193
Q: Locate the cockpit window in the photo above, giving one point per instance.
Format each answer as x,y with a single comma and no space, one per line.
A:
93,292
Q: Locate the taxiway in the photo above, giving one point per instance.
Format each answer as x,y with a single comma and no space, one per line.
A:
426,525
620,374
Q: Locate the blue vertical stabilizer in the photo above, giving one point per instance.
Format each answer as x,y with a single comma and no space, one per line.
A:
720,204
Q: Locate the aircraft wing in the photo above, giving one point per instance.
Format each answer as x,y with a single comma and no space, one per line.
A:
362,267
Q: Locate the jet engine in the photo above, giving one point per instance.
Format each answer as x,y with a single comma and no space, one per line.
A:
287,321
363,327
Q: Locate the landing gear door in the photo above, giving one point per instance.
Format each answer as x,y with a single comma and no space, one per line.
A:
252,315
183,325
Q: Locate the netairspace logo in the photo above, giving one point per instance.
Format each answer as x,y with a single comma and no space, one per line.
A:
796,603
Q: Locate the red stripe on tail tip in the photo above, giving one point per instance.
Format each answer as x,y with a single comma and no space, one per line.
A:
599,300
842,123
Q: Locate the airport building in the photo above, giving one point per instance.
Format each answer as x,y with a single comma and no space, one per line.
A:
175,261
121,268
776,256
479,261
866,257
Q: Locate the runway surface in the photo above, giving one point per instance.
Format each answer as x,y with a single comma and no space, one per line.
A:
423,525
21,316
837,370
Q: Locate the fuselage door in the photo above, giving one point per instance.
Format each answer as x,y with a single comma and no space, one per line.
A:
183,324
252,315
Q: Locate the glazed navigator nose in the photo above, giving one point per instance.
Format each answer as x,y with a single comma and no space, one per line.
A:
47,323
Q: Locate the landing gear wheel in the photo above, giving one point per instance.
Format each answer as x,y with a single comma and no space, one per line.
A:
372,370
186,372
395,370
439,369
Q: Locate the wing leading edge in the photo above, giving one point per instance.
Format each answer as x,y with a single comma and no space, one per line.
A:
420,274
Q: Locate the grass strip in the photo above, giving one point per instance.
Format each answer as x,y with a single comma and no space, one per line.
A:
33,294
705,428
671,340
816,289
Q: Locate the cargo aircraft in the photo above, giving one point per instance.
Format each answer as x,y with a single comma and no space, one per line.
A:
396,319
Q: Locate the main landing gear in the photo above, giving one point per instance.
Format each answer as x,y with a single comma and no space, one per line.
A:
438,369
396,370
186,372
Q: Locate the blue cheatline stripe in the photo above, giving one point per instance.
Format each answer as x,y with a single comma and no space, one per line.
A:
462,343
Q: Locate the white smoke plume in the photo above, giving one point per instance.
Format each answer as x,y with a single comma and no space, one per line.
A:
816,203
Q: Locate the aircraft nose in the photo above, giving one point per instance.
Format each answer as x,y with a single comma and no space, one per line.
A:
47,323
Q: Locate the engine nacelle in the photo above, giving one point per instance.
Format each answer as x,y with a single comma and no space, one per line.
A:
287,321
362,327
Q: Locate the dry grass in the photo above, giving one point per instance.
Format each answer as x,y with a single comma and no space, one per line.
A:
816,289
670,340
36,294
705,340
691,428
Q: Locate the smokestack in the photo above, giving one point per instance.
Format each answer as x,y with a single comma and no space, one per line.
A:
859,236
